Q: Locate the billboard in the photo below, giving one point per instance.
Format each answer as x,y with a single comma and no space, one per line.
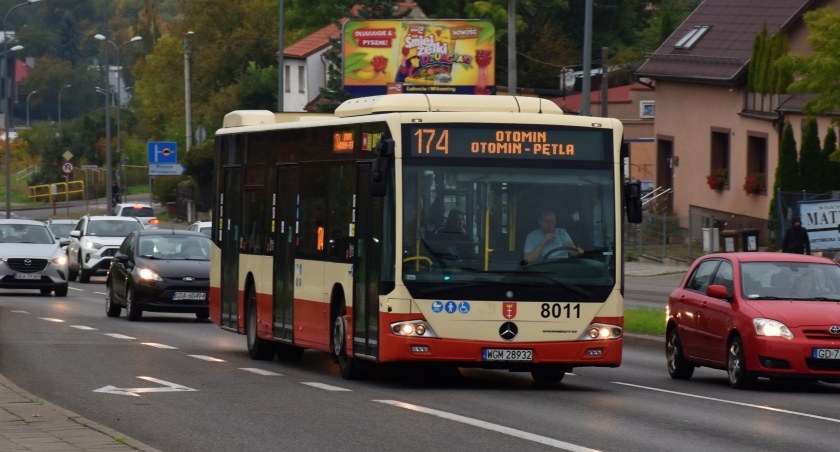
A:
822,220
419,56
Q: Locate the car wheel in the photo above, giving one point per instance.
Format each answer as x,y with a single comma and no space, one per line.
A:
84,275
736,365
548,375
349,366
203,314
678,368
45,291
71,273
61,291
134,311
111,309
258,348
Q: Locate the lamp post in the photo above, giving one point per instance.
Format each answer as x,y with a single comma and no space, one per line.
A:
187,108
27,105
59,101
7,85
118,50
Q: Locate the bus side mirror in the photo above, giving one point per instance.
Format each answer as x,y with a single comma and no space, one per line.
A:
380,174
633,201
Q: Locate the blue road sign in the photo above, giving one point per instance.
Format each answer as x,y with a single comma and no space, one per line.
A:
163,152
165,169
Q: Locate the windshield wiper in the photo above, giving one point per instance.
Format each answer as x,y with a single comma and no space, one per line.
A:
574,288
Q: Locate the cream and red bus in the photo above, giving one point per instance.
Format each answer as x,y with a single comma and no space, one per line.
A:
330,233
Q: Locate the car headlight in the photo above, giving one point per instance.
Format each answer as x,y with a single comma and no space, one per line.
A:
772,328
61,259
93,245
148,275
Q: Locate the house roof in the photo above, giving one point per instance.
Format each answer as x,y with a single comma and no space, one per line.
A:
617,95
722,54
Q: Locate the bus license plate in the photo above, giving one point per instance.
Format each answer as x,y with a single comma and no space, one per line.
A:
27,276
201,296
507,354
826,353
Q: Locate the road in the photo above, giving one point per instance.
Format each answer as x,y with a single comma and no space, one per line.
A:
179,384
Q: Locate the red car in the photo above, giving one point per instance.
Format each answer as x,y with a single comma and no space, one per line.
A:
774,315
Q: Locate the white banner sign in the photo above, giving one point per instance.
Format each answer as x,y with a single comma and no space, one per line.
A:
822,220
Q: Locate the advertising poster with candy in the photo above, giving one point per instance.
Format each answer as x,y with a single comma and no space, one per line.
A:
408,56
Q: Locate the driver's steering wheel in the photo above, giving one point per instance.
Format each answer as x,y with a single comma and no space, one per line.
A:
557,249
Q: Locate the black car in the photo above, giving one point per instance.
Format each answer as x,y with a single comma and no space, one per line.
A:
160,270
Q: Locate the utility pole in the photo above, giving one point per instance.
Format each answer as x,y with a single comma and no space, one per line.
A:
511,47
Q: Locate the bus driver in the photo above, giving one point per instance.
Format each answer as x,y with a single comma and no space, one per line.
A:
546,238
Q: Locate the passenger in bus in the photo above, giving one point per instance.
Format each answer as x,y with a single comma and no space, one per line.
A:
454,238
548,241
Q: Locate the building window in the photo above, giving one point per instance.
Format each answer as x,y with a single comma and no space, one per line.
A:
691,38
756,178
647,109
720,155
286,76
301,80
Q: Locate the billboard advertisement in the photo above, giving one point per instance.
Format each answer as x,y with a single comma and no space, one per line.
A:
822,220
413,56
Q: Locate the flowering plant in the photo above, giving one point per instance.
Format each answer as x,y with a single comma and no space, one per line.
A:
718,179
755,183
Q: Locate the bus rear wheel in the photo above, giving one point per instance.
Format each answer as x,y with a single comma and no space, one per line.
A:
548,375
349,367
258,348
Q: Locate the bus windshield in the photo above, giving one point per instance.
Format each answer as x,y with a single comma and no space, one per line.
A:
479,232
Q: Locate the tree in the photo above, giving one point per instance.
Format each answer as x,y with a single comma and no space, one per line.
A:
811,160
829,151
787,170
817,72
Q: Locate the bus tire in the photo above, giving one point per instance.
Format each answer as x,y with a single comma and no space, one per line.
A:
258,348
349,366
548,375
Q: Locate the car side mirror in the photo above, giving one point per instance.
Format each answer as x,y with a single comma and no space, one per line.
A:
718,291
63,241
75,233
122,257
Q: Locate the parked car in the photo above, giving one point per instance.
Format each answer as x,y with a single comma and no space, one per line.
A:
756,314
31,258
160,270
61,228
143,212
204,227
94,241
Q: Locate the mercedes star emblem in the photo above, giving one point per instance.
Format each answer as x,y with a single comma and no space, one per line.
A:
508,331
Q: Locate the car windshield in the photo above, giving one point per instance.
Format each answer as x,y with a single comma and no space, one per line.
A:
137,211
206,231
790,281
174,247
113,228
62,229
25,233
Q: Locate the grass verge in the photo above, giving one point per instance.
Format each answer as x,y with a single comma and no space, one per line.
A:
645,321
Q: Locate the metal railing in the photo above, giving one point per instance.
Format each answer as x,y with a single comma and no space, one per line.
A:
59,191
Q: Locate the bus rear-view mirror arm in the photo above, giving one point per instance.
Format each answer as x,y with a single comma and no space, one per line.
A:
381,171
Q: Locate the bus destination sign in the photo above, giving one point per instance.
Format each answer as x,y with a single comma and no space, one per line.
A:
507,142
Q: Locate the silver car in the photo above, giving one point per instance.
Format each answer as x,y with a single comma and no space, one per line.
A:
31,258
94,242
204,227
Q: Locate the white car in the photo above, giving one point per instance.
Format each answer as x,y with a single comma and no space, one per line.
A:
142,212
61,228
31,258
204,227
95,241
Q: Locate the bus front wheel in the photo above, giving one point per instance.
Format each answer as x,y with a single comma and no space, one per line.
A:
349,367
548,375
258,348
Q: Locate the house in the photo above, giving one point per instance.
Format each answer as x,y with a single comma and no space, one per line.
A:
708,121
305,64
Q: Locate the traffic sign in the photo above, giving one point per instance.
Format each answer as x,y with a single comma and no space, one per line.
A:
67,155
163,152
67,168
165,169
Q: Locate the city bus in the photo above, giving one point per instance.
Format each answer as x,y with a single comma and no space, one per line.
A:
330,234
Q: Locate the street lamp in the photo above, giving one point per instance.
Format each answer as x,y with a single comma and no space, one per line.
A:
59,101
118,50
7,85
187,107
27,105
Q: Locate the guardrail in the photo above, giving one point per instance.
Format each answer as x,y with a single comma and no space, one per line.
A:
59,190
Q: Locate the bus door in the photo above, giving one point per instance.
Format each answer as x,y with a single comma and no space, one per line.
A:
231,215
366,265
286,206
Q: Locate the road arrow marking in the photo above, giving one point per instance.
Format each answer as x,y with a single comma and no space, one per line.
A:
135,392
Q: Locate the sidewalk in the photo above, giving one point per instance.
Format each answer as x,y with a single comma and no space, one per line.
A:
634,268
28,423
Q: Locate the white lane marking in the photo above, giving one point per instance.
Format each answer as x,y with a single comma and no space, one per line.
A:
75,288
488,426
100,293
49,319
324,386
120,336
731,402
207,358
156,345
82,327
135,392
21,312
267,373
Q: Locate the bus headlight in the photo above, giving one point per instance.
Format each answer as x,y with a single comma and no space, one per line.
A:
416,328
600,332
